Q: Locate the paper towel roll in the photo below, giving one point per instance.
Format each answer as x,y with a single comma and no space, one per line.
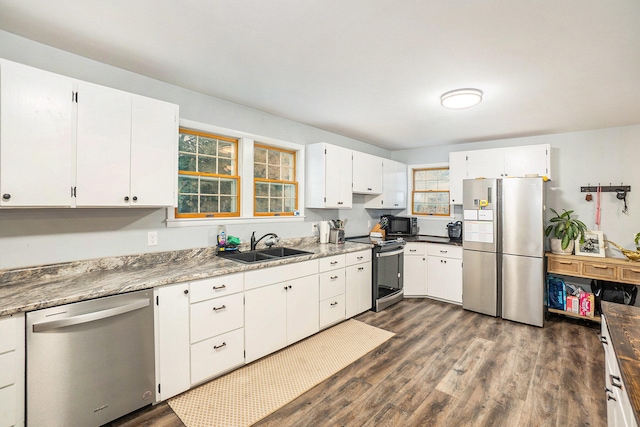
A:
324,228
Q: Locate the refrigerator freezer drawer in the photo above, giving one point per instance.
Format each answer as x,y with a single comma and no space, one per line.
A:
523,289
480,282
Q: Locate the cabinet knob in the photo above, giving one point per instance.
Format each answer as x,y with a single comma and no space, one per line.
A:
186,291
6,196
368,188
360,268
126,198
135,198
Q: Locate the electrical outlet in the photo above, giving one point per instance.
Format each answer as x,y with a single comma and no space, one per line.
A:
314,226
152,238
369,224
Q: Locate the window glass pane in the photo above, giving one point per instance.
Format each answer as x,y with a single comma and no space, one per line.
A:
228,186
286,158
209,186
228,204
187,184
274,172
209,204
274,157
289,190
262,189
262,204
187,162
187,203
260,171
225,167
187,143
275,205
259,155
206,164
286,174
289,205
226,149
207,146
276,190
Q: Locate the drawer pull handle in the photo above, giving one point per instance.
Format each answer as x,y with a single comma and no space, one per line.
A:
599,266
565,262
334,304
215,288
634,270
334,262
216,347
443,252
219,308
360,257
360,268
412,250
610,397
603,340
334,277
615,381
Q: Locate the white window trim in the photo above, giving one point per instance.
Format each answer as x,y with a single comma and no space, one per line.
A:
410,191
245,171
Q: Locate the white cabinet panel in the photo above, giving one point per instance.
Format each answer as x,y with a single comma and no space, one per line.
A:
457,173
216,316
444,278
415,273
331,263
282,273
12,372
172,345
8,402
367,173
328,182
217,355
332,283
358,290
104,144
485,163
216,287
394,187
37,118
265,320
529,159
7,368
302,308
358,257
332,310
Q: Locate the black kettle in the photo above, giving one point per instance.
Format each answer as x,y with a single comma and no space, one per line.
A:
455,230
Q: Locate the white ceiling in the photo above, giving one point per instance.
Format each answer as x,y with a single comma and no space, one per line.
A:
372,70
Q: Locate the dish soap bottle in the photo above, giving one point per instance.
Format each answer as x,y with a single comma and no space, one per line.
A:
222,236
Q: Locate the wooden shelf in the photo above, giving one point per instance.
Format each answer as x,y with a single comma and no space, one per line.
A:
574,315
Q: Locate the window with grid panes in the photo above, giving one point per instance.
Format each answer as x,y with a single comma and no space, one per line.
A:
208,181
430,194
275,186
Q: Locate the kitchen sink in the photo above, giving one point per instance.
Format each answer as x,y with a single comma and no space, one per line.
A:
264,255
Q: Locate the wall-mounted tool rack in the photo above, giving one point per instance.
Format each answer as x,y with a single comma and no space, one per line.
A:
610,188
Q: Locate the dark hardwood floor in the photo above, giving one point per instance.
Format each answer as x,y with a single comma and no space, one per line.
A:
450,367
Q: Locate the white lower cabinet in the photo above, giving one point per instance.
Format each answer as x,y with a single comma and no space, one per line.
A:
12,375
358,283
216,355
332,288
619,409
281,307
415,270
444,272
172,340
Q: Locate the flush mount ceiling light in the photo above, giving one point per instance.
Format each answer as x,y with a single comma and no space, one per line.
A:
461,98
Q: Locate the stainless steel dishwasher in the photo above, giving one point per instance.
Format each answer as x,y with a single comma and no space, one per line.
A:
90,362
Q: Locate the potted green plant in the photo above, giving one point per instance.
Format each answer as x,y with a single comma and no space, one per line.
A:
565,230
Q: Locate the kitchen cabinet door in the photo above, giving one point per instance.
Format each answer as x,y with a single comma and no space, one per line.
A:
12,372
367,173
37,119
302,308
444,278
265,321
415,275
103,146
457,173
358,289
485,163
394,187
328,179
172,344
154,152
530,159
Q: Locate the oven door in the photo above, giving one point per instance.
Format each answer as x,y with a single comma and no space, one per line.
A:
388,280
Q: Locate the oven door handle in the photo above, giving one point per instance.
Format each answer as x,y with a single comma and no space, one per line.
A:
89,317
390,253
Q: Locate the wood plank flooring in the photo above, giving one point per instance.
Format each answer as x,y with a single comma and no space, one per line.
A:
450,367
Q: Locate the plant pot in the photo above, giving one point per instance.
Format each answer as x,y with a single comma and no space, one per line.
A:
556,247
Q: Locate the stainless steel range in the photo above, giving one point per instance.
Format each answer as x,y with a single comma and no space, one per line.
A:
387,271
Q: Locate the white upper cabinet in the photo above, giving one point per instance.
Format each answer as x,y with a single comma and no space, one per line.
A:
37,132
394,187
328,181
367,173
497,163
65,142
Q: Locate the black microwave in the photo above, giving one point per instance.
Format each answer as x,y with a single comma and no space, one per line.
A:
399,225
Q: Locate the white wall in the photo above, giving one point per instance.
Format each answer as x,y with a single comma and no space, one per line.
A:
605,156
43,236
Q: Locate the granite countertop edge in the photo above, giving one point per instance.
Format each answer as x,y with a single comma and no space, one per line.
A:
33,288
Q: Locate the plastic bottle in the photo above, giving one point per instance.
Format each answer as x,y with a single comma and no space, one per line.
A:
222,235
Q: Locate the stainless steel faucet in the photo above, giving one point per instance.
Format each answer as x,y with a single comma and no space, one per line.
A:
268,242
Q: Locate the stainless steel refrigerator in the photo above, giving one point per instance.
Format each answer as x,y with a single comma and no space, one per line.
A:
503,242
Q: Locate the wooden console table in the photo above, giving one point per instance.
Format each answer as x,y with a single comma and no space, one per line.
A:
611,269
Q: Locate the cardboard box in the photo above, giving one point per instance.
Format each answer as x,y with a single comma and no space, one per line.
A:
573,304
587,302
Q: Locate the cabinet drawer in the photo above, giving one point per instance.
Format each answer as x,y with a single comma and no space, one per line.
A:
630,275
7,368
8,329
332,262
331,283
214,317
217,355
415,249
216,287
332,310
564,266
281,273
358,257
445,251
598,271
8,402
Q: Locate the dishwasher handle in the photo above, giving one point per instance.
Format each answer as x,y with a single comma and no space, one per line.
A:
390,253
90,317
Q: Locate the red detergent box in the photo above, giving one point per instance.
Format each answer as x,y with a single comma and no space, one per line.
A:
587,301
